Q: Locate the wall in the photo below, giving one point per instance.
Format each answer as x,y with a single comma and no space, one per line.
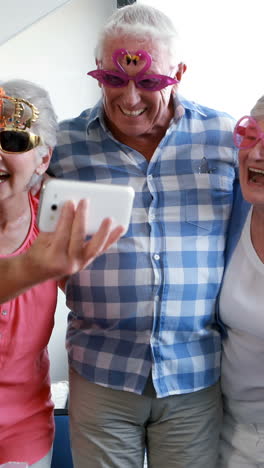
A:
221,43
57,52
26,13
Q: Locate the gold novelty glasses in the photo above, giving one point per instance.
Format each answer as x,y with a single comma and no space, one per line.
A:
16,116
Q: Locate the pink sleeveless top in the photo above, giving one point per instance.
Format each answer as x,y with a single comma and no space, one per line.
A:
26,409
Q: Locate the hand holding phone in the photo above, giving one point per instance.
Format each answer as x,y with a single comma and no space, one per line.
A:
105,201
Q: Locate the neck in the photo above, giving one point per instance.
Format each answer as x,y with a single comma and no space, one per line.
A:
15,219
14,208
145,143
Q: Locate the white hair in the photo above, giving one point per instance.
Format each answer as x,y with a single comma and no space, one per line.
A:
46,125
140,21
258,110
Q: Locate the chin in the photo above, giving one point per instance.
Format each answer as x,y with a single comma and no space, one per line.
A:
253,197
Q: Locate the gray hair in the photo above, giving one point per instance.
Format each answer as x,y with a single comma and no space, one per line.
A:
140,21
258,110
46,124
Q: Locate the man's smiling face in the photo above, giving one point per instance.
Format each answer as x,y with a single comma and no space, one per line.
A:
131,111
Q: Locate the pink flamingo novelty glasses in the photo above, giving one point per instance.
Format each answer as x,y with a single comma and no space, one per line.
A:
120,79
247,133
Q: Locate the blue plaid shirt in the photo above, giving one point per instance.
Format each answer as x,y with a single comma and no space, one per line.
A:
147,305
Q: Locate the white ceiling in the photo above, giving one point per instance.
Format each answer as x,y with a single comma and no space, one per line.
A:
17,15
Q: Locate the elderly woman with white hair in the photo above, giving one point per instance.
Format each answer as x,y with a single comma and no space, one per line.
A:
241,305
28,258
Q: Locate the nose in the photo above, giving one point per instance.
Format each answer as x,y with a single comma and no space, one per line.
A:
131,94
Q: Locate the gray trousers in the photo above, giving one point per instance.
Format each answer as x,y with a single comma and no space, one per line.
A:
241,445
113,429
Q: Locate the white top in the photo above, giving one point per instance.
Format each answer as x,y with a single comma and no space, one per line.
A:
242,310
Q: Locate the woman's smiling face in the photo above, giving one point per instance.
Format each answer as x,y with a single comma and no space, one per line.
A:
16,171
251,171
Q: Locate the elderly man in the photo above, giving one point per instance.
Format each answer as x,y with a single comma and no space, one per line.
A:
143,351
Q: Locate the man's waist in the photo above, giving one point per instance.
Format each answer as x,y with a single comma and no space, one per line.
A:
127,367
142,345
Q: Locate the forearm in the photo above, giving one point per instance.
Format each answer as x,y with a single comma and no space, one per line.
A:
56,255
62,283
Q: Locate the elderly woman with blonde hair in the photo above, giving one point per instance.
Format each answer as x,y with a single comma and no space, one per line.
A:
241,305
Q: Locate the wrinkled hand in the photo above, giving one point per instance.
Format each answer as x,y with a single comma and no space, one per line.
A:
65,251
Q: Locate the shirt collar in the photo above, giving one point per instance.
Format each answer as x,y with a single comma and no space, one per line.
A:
181,105
96,115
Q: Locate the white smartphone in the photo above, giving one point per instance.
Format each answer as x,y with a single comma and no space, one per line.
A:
114,201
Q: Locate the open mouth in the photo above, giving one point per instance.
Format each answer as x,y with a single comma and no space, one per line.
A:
4,176
256,175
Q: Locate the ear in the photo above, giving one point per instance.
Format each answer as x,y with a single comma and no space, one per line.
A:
43,166
181,70
99,65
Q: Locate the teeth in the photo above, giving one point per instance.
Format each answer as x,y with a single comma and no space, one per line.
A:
134,113
258,171
3,176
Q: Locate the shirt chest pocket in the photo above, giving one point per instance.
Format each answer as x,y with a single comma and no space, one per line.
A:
208,200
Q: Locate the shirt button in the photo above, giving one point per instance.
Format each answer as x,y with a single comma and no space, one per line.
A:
4,312
150,177
156,298
152,217
156,257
